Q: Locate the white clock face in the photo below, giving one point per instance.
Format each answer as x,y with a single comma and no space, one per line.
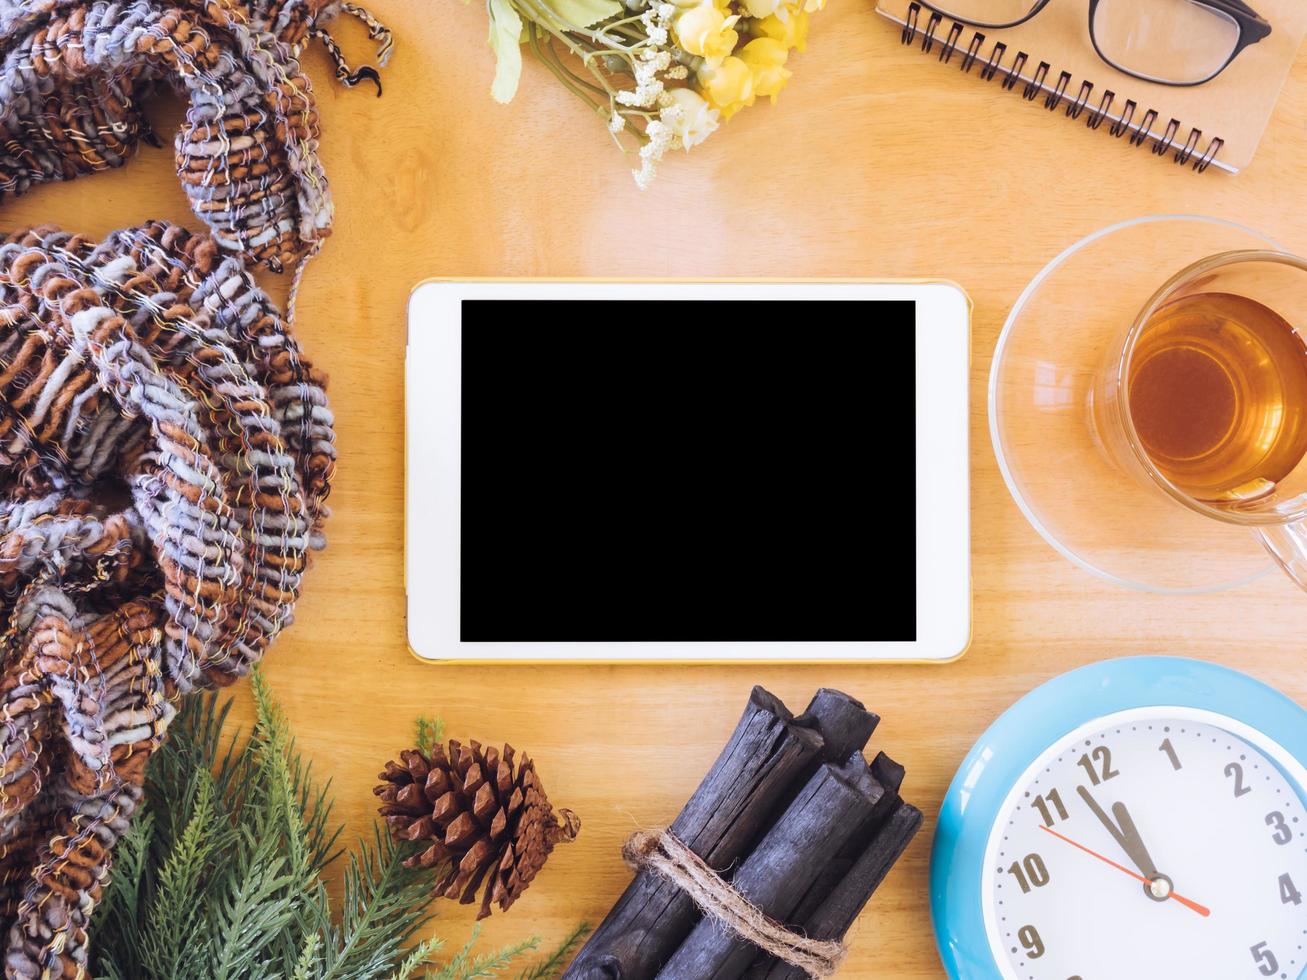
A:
1153,844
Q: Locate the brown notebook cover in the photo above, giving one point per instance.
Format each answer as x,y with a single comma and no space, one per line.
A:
1050,59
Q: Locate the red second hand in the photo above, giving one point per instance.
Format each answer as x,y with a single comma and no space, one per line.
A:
1202,910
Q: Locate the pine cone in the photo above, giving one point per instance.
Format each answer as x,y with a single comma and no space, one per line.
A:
480,817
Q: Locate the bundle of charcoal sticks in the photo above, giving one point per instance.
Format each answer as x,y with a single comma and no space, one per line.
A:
794,818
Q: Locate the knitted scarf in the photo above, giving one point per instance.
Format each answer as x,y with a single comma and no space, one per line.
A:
165,449
165,454
74,75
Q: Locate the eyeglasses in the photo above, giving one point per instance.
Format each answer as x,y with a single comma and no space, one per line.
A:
1173,42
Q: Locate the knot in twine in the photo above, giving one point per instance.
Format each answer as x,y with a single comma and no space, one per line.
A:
665,855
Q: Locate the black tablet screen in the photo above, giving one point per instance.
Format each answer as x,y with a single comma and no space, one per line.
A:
682,471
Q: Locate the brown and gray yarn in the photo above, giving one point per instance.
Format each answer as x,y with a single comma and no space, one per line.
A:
165,456
165,449
75,74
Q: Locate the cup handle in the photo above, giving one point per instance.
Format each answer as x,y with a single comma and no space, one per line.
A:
1287,544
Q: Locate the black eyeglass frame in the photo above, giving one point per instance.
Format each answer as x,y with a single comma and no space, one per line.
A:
1253,27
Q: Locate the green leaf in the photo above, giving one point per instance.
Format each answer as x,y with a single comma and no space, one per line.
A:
584,13
175,926
552,965
384,904
506,42
306,966
430,733
419,956
465,966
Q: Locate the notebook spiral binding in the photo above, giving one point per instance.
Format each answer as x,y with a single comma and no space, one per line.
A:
1056,93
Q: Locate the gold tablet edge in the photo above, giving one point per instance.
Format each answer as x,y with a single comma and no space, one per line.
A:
697,661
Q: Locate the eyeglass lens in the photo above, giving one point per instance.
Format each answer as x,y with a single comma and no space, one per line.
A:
987,13
1174,41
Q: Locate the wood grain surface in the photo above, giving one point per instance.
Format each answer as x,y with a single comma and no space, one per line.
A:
875,162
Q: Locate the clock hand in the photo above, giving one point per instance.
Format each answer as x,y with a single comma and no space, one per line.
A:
1125,833
1202,910
1132,842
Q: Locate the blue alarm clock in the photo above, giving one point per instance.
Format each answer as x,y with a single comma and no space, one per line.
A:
1137,819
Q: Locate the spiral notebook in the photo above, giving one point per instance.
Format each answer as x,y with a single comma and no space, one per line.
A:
1050,59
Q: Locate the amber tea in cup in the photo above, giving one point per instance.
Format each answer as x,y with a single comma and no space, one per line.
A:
1218,395
1204,397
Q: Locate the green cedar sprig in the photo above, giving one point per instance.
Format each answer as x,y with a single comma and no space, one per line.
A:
220,875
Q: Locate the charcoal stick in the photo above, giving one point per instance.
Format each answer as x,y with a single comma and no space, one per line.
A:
831,919
845,725
752,777
833,804
890,776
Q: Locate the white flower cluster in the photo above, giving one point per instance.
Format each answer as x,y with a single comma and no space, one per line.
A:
648,86
660,135
656,20
684,120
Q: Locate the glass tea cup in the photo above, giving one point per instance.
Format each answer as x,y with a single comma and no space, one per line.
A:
1204,397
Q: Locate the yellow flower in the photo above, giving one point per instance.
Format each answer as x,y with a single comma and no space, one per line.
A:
812,6
766,57
705,30
760,8
791,32
728,87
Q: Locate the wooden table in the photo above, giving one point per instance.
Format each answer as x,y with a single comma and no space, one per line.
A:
874,163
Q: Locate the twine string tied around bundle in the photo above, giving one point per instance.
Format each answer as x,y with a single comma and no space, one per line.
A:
662,853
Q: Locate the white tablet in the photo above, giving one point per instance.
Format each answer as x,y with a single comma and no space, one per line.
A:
702,471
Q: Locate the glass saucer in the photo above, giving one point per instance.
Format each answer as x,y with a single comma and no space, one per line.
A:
1048,354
